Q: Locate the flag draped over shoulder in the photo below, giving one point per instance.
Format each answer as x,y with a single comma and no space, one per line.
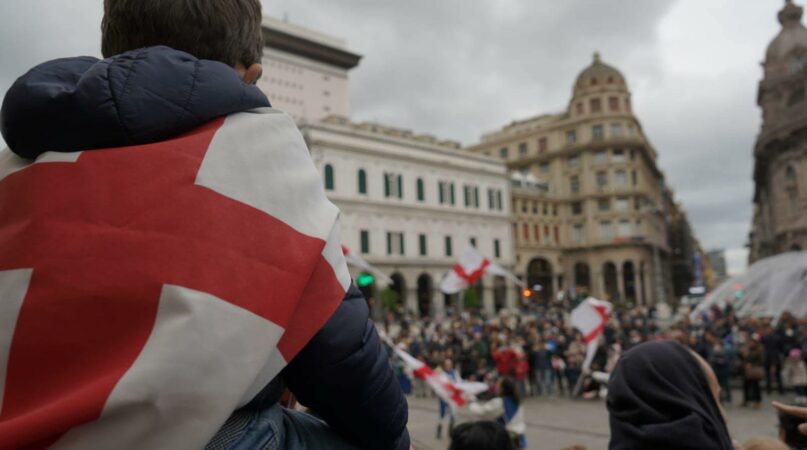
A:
146,292
469,269
591,317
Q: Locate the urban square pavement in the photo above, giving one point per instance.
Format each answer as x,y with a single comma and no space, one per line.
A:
554,424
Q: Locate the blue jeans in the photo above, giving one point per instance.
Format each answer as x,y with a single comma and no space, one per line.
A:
280,428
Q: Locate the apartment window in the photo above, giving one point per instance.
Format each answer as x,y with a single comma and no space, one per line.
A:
573,162
624,228
620,178
364,238
557,234
449,251
574,184
613,103
525,229
579,107
393,185
499,200
622,204
524,206
445,192
597,133
544,168
503,153
602,179
577,233
536,232
421,191
600,157
522,149
634,178
543,145
595,105
497,248
577,208
546,211
571,137
395,243
555,210
362,181
604,205
491,199
637,204
466,194
606,231
546,232
473,242
616,130
618,156
535,207
329,182
422,245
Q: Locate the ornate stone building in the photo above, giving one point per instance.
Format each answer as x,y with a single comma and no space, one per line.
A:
587,197
780,167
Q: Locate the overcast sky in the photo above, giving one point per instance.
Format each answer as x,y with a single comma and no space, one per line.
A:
459,68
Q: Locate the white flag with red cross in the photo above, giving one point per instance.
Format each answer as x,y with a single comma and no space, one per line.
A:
591,317
469,269
147,292
357,261
452,392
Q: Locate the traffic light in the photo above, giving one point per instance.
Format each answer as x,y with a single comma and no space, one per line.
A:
365,279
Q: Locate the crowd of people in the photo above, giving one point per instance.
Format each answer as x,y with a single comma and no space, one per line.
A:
543,354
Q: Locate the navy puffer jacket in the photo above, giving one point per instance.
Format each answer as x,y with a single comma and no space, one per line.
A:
153,94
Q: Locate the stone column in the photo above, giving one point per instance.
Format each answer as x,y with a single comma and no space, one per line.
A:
437,306
487,299
510,298
637,287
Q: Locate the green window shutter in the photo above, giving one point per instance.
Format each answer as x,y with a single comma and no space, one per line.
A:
401,237
400,186
476,197
386,185
451,186
389,243
448,246
365,241
362,181
329,177
496,248
423,250
421,195
440,191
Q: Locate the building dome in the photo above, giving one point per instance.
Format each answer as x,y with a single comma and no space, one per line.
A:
599,74
793,33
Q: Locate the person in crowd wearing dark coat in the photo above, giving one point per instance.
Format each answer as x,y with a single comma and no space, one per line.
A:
772,343
171,67
663,396
753,371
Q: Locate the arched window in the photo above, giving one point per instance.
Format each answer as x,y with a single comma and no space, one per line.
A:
362,181
328,177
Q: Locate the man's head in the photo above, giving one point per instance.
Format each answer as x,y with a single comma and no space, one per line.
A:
226,31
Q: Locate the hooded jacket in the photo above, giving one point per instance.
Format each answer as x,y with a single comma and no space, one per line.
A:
150,101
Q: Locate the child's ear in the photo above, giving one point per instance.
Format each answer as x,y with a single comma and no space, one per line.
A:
253,73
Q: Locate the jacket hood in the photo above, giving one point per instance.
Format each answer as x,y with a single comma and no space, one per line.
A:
142,96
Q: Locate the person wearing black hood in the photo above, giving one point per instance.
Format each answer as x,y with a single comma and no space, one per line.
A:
663,396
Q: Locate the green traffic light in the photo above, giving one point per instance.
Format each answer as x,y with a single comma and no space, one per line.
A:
365,279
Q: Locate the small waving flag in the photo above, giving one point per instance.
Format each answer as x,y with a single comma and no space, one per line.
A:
470,268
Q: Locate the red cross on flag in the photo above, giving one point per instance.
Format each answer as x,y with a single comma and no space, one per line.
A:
470,268
146,292
591,317
452,392
357,261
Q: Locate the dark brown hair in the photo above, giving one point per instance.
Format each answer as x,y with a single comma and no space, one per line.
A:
222,30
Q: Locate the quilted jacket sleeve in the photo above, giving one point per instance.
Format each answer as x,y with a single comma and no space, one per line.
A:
343,374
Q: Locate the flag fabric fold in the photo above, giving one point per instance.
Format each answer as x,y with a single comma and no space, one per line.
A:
469,269
591,317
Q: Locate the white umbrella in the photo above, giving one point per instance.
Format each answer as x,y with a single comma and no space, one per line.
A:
769,287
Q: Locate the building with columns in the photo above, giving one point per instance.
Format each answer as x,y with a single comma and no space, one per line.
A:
411,204
305,72
589,212
780,155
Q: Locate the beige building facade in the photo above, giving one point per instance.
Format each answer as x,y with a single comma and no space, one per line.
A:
588,210
305,72
780,166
